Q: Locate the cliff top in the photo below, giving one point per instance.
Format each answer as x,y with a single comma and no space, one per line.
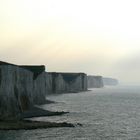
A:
5,63
96,76
35,69
69,73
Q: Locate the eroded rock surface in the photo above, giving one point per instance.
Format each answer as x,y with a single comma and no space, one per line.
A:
16,86
66,82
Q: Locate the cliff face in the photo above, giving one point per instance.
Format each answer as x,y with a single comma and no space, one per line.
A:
39,83
16,86
21,87
39,89
95,82
110,81
66,82
49,86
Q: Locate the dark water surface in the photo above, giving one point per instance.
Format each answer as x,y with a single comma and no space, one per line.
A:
111,113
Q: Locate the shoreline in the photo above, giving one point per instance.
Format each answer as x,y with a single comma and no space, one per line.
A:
30,125
38,112
26,124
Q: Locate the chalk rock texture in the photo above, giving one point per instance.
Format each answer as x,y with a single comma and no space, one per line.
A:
16,86
66,82
39,83
22,87
95,81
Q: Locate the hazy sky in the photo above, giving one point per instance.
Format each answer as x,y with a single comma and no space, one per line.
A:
100,37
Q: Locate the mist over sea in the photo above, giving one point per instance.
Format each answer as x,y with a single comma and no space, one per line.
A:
109,113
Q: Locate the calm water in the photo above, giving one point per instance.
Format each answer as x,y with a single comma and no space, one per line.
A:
106,114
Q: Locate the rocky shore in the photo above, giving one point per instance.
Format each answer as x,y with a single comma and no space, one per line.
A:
38,112
28,125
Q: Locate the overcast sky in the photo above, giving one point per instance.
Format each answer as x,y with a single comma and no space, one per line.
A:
99,37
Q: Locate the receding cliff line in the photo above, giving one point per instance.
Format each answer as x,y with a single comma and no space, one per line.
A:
66,82
95,81
21,87
110,81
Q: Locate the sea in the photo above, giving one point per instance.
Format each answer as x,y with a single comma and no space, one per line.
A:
109,113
